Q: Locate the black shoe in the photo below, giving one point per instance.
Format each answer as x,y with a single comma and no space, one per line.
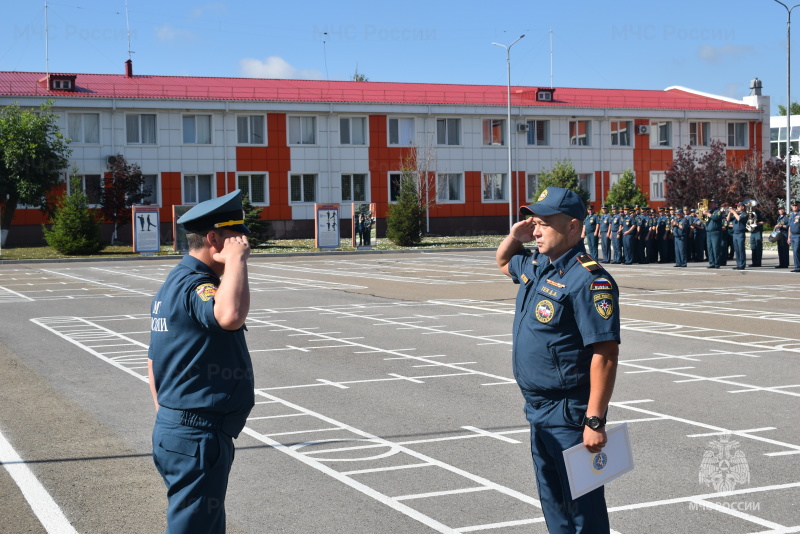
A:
796,271
738,268
781,266
711,267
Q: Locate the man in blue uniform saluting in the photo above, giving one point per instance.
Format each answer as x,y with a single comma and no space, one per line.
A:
201,376
566,339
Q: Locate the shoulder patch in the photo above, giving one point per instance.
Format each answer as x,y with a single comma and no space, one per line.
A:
599,284
604,304
588,262
206,291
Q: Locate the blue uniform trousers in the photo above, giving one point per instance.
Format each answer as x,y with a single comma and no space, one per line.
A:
796,251
756,248
591,241
606,243
783,250
628,244
680,251
738,250
194,462
557,425
700,245
714,248
617,244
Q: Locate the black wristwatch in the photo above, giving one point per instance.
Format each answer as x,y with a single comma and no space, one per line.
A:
594,422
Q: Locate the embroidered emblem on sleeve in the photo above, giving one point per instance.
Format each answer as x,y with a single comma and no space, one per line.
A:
600,284
588,262
206,291
544,311
604,304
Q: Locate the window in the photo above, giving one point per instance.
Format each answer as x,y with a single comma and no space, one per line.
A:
661,133
494,186
586,182
354,188
621,133
539,133
494,131
737,134
657,185
303,187
401,131
698,133
84,128
394,185
580,133
141,129
196,188
532,185
614,178
353,131
92,185
197,129
449,187
62,84
150,184
448,131
250,130
302,130
255,186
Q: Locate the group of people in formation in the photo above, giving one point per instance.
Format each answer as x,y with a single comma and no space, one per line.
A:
714,233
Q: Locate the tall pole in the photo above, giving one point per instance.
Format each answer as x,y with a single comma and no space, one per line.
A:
788,100
508,129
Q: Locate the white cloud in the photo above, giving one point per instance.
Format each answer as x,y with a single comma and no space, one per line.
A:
211,7
275,67
715,54
168,33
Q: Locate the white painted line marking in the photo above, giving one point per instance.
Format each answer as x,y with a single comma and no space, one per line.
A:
383,469
486,433
736,513
42,504
440,493
334,384
749,431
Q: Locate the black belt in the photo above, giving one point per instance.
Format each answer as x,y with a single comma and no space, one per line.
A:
231,424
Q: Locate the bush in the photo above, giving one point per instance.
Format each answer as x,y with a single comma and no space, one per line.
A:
259,228
404,220
75,229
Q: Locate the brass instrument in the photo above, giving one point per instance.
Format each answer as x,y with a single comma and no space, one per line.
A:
702,207
752,216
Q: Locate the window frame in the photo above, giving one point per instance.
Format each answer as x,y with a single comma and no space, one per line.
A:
83,178
703,132
290,119
249,176
659,184
140,129
490,131
531,188
399,130
587,136
83,131
589,178
197,176
504,187
251,130
448,130
459,176
350,119
619,133
155,194
533,132
303,176
655,134
194,117
733,135
351,180
390,186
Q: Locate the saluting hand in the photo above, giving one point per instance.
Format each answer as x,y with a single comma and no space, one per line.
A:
235,248
523,230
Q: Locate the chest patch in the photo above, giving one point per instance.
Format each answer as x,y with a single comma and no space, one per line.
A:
556,284
206,291
544,311
604,304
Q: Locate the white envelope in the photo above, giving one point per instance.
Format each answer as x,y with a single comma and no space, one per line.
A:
587,471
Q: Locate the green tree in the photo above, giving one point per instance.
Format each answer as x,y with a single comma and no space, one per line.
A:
561,175
358,77
259,228
404,219
795,109
33,154
123,186
75,229
626,191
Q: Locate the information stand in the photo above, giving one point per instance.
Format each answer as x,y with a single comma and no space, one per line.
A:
326,229
146,235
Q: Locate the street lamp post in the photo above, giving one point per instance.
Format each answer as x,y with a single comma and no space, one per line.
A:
788,99
508,127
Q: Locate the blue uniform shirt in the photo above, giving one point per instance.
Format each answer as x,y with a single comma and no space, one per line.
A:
681,228
794,224
740,226
197,365
714,221
616,221
591,222
562,309
605,220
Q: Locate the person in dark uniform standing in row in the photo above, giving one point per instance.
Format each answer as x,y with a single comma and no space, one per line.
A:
699,231
680,228
642,235
738,218
713,234
757,239
200,372
566,337
615,231
782,225
730,249
628,235
591,225
794,234
605,239
662,242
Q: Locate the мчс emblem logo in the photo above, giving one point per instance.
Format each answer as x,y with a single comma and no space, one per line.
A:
599,461
723,467
544,311
542,196
206,291
604,304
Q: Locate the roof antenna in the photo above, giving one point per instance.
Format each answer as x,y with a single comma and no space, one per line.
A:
128,25
325,54
551,58
46,42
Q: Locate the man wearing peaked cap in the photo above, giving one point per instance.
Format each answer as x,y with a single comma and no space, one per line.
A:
566,325
201,375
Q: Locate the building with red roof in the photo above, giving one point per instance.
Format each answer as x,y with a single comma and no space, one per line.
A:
294,143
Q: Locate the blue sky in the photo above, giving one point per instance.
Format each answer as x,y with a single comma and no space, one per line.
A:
708,45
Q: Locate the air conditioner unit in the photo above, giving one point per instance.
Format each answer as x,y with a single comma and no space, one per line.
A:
111,160
522,127
643,129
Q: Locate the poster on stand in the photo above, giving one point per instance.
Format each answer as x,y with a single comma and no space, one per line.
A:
146,235
180,244
327,231
363,225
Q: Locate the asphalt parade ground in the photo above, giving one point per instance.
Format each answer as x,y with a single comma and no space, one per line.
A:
385,401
